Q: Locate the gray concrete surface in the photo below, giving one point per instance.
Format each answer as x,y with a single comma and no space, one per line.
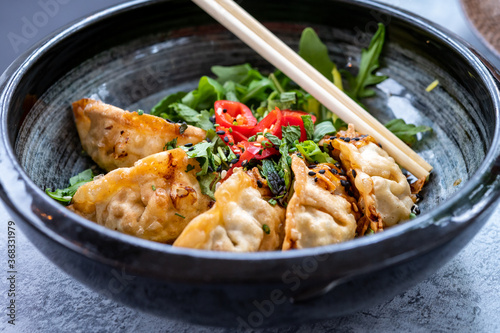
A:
463,296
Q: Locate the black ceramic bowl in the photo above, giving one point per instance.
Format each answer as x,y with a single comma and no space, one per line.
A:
133,54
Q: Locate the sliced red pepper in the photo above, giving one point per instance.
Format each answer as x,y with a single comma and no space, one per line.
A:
254,150
235,115
293,118
272,123
230,140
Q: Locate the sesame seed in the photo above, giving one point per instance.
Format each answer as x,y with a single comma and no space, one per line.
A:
332,138
334,171
345,183
311,173
224,110
356,139
226,139
244,163
219,168
354,173
212,119
234,161
191,149
322,171
208,140
188,144
341,138
220,132
259,183
315,179
347,139
312,166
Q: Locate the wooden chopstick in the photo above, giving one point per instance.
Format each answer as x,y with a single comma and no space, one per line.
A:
259,38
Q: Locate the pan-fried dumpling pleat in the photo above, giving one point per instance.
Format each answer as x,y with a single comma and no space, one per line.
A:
319,212
384,192
240,221
155,199
115,138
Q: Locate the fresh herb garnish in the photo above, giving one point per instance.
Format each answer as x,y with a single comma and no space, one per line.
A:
406,132
153,187
140,112
190,167
313,153
290,134
275,181
324,128
273,138
265,227
309,126
358,85
170,145
183,128
65,195
180,215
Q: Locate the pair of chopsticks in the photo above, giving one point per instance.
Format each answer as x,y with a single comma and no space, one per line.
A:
271,48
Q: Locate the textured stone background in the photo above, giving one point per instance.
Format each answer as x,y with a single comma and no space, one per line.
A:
463,296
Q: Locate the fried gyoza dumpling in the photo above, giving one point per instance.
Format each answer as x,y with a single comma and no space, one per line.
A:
115,138
319,212
240,221
155,199
384,192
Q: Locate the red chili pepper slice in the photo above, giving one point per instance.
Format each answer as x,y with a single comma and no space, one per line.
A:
272,123
294,118
235,115
231,139
254,150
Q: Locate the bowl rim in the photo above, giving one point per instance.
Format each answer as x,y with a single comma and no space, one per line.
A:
13,75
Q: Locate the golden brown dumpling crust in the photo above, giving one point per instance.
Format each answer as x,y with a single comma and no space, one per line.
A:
155,199
384,192
115,138
240,221
319,212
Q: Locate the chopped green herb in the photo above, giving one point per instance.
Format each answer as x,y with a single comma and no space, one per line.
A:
183,128
65,195
406,132
265,227
412,216
290,134
369,232
170,145
140,112
309,126
153,187
180,215
190,167
273,138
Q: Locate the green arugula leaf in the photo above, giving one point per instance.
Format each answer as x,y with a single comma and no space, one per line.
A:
205,96
313,153
65,195
258,90
406,132
324,128
312,49
290,134
164,104
309,126
241,74
368,65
